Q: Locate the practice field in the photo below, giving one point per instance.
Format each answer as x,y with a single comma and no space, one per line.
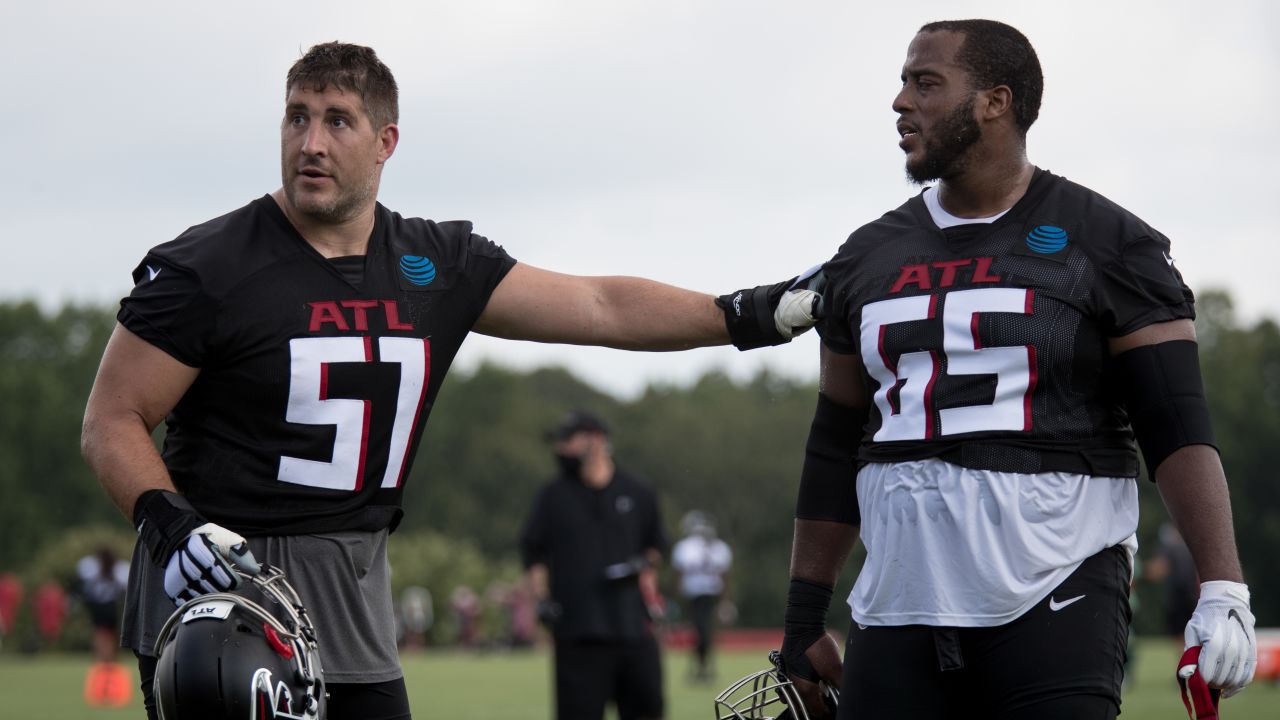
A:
499,686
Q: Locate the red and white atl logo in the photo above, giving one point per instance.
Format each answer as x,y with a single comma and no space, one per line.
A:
348,315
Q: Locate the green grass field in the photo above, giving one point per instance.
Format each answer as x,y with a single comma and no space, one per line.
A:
460,686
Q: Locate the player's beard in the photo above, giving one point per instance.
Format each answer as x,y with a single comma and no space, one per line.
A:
946,148
343,205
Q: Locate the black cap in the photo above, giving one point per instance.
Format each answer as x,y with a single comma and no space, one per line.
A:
576,422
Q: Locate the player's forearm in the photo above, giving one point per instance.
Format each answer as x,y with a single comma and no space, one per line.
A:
1194,489
638,314
819,550
536,581
117,446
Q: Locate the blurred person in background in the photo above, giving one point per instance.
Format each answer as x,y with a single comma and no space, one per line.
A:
103,578
102,581
702,559
592,534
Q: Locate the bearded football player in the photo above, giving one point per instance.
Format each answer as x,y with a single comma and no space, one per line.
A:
995,353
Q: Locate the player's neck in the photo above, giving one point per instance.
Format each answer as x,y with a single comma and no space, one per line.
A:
987,186
330,239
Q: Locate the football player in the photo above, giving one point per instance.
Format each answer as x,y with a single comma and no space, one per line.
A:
991,352
295,347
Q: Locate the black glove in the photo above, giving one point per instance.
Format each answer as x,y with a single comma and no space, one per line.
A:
196,554
773,314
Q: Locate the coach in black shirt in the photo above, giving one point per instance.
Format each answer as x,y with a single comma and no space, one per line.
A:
590,542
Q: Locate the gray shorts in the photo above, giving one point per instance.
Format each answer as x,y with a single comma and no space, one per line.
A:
344,582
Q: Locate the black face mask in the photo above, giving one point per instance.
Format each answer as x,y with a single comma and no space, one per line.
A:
570,465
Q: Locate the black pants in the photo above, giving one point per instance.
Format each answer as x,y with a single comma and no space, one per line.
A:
1061,660
590,673
347,701
702,612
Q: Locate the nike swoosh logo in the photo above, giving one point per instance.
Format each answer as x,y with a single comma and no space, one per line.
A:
153,272
1169,259
1055,606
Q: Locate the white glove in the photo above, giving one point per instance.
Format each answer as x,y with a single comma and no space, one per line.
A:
1222,626
801,305
203,564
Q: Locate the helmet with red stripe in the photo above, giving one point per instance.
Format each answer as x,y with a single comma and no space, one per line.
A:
250,654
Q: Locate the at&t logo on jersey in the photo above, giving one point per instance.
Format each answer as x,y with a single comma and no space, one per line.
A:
1046,239
418,270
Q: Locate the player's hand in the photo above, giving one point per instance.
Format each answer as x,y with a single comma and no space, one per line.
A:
626,569
1222,626
801,304
196,555
204,563
813,670
773,314
549,612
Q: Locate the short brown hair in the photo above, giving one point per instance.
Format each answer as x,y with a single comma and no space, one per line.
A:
353,68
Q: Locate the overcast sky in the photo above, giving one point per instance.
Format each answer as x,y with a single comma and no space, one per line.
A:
712,144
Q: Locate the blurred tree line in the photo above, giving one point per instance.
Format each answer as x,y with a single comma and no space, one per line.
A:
732,449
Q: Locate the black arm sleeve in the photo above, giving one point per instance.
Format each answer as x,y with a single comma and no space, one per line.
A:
828,483
1164,394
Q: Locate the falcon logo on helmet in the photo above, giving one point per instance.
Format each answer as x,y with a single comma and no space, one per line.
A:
767,695
244,655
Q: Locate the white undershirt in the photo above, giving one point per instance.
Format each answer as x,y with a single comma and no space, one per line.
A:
944,219
952,546
949,545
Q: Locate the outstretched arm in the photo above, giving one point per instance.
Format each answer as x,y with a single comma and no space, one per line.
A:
629,313
632,313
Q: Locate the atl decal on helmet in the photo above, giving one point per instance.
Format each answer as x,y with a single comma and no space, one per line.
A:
1046,239
417,269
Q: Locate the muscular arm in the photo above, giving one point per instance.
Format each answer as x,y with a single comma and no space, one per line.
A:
819,549
137,385
620,312
1191,480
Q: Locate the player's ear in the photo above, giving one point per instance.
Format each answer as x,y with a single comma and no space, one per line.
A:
998,102
388,138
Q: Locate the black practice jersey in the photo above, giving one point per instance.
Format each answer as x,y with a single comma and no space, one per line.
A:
313,391
985,344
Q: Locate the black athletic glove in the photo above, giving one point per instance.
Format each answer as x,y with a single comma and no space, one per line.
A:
196,554
773,314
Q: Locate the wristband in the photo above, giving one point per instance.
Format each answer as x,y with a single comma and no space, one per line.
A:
803,624
748,316
164,520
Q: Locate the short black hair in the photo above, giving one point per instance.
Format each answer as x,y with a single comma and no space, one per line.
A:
351,68
996,54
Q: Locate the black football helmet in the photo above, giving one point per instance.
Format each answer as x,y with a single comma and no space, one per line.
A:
249,654
768,695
